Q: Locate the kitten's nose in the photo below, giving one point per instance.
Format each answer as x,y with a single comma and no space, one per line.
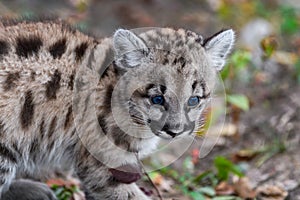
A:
170,131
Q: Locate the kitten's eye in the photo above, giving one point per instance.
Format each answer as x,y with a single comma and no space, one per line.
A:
193,101
157,100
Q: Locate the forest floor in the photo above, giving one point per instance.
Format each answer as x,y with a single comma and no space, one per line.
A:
261,142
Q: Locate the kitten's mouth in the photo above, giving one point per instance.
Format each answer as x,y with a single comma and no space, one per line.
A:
171,135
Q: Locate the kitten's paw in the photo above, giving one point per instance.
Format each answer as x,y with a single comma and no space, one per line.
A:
28,190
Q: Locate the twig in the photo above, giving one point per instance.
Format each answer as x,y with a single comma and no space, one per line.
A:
144,171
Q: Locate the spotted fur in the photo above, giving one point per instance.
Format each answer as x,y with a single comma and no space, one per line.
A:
46,121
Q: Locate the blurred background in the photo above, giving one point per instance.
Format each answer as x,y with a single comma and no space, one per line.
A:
256,155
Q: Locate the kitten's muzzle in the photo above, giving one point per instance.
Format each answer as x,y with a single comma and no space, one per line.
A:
174,133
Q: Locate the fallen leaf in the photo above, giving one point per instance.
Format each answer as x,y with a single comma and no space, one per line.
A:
271,192
285,58
243,189
244,155
224,189
57,181
229,129
269,45
156,178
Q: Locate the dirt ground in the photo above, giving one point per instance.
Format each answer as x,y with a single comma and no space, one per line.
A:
274,94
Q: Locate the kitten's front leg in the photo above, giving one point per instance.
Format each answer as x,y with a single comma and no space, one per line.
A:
103,183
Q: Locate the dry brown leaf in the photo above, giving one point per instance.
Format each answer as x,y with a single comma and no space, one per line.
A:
244,155
57,181
224,189
285,58
229,130
271,192
243,189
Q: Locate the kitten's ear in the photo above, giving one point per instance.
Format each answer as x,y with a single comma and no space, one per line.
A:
218,46
129,48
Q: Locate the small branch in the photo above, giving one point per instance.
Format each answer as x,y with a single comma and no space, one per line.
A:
144,171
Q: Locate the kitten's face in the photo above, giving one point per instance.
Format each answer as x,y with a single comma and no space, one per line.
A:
171,105
168,91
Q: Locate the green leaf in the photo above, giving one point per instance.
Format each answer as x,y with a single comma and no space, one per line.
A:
196,195
225,167
209,191
188,164
240,59
239,100
59,190
297,68
202,176
289,23
225,72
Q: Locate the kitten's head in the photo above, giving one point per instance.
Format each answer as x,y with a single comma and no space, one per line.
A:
167,77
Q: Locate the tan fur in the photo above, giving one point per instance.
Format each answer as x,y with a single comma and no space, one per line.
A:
62,108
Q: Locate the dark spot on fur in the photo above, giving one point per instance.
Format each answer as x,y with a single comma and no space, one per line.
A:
69,118
165,61
102,123
199,39
105,73
182,61
28,46
27,111
10,81
150,86
52,127
162,89
53,85
80,51
112,69
194,85
34,148
58,48
4,47
175,61
107,99
137,121
32,75
71,81
120,138
42,128
7,153
123,140
205,95
1,128
189,33
136,115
